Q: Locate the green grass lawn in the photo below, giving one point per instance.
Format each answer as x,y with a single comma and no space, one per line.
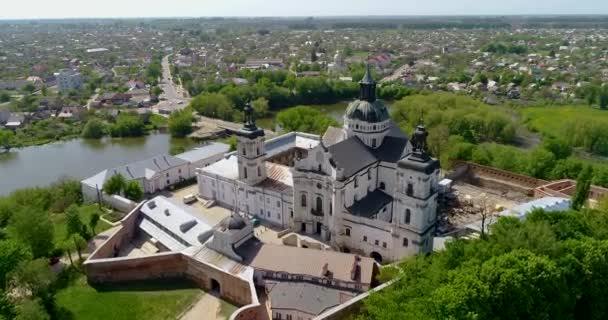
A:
554,120
86,211
146,301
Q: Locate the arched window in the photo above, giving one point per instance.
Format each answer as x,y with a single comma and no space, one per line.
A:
374,143
303,200
348,232
369,174
406,242
259,172
319,204
331,209
245,173
258,150
244,151
410,189
382,186
408,216
356,182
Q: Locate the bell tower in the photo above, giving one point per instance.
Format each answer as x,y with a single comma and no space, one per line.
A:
251,153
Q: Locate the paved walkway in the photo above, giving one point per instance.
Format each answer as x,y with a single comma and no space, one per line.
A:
208,307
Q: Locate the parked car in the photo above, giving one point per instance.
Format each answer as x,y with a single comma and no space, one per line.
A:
189,198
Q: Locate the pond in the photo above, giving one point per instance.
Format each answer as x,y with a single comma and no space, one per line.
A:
78,158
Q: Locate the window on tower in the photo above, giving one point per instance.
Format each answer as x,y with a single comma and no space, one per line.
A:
406,242
259,172
408,216
258,150
373,143
303,200
244,151
410,189
245,173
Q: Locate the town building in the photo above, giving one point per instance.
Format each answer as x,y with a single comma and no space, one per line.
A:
364,188
68,79
157,173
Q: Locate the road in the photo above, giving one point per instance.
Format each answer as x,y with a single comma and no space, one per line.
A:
174,97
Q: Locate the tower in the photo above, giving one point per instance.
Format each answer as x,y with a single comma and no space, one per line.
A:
368,117
415,212
251,153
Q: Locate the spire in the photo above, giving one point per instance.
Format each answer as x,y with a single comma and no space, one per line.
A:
367,85
249,123
419,139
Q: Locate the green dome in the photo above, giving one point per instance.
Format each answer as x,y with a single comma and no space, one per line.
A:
362,110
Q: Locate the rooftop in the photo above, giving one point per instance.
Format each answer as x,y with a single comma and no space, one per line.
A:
305,297
303,261
204,152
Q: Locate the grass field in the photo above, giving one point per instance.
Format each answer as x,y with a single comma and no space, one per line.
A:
555,120
146,301
86,212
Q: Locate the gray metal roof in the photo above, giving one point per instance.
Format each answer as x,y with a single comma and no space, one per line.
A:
370,204
204,152
305,297
375,111
137,170
351,155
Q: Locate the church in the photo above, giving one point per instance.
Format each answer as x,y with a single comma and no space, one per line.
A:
364,188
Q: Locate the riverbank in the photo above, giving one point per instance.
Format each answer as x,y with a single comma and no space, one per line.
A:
78,158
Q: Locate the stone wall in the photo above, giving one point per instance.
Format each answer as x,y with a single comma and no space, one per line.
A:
493,178
160,266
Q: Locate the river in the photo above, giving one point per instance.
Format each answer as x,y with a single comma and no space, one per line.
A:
78,158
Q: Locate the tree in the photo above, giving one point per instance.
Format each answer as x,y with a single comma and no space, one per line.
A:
93,222
260,107
134,191
73,223
4,97
603,97
583,184
29,88
6,139
213,105
94,129
11,254
33,227
115,184
157,91
34,277
31,310
304,119
128,125
79,244
180,123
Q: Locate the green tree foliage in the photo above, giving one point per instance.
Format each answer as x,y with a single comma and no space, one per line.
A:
34,276
94,129
260,107
93,222
583,185
4,97
133,191
31,310
502,48
180,123
213,105
115,184
73,222
79,243
128,125
304,119
11,254
32,226
603,97
551,266
7,139
474,121
153,72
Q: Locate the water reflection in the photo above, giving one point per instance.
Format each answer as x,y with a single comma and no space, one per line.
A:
78,158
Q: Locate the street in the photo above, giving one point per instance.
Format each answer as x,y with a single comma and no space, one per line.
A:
174,97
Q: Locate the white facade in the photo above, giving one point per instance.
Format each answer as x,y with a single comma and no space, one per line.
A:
68,80
365,188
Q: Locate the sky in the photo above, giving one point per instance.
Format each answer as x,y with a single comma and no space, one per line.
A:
41,9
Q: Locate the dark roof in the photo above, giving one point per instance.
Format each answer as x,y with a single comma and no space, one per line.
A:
234,222
370,204
393,146
342,155
305,297
420,162
375,111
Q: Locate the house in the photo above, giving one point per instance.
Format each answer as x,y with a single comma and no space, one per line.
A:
16,120
71,113
135,84
68,79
